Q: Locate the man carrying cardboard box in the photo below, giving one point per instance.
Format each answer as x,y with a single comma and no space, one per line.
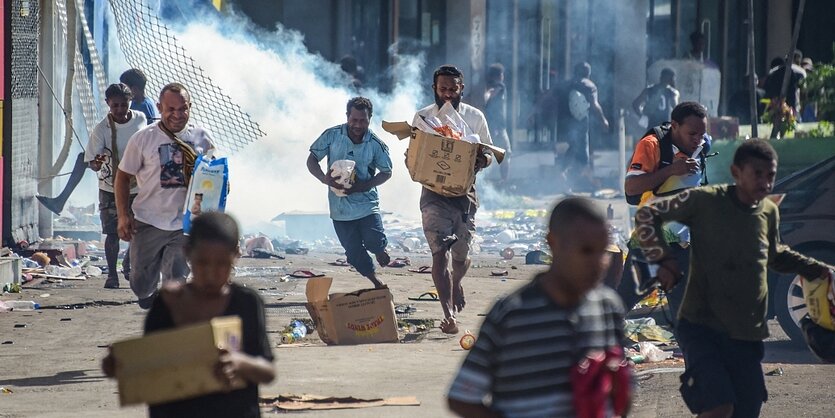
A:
449,222
356,214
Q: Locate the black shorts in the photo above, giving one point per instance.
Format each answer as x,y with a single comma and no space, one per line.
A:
720,371
107,212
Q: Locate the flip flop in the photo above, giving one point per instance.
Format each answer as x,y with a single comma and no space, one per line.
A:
340,262
400,262
422,270
430,296
498,273
306,274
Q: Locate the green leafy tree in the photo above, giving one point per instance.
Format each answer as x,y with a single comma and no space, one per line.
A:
820,89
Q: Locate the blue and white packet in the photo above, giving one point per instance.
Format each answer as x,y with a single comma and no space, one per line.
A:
208,188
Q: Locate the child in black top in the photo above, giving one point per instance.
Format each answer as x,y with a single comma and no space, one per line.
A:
212,250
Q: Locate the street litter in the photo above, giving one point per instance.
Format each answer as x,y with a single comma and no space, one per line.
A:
776,372
295,332
5,390
646,330
360,317
467,341
498,273
306,274
652,353
430,296
290,402
422,270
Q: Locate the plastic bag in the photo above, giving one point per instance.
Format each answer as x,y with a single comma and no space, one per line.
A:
207,190
344,173
820,299
652,353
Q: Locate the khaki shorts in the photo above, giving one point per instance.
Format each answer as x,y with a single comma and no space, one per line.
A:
442,219
107,211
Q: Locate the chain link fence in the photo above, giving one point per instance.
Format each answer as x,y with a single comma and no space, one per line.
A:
149,45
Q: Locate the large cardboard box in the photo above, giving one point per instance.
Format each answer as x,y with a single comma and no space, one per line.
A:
175,364
360,317
444,165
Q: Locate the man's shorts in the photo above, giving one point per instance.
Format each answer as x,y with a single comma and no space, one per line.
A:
720,371
442,219
107,212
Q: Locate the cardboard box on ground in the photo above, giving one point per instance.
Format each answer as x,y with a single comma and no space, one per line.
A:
175,364
360,317
441,164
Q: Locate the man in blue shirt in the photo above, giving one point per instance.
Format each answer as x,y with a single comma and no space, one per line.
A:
135,80
356,216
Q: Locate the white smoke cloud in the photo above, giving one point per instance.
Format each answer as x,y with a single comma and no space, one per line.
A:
295,95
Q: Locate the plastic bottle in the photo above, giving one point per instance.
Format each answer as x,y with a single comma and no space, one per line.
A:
298,330
22,305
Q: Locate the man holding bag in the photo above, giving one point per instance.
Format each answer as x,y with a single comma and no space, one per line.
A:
155,228
355,205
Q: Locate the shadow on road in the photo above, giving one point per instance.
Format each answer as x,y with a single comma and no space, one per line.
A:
60,378
788,352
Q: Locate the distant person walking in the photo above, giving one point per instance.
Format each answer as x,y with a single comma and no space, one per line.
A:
656,102
495,110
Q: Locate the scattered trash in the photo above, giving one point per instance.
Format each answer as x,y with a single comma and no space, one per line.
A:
22,305
646,330
431,296
7,342
340,262
467,341
306,274
537,257
20,325
44,295
498,273
422,270
41,259
11,288
404,309
400,262
66,319
652,353
508,253
290,402
295,331
93,271
5,390
776,372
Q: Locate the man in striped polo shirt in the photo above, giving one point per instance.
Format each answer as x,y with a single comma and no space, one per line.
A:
530,341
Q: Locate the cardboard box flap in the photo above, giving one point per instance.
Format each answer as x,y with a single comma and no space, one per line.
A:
317,288
401,130
497,152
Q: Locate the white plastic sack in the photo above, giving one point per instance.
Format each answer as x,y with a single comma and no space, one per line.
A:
344,173
652,353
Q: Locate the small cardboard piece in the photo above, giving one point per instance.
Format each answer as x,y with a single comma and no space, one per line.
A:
175,364
290,402
441,164
360,317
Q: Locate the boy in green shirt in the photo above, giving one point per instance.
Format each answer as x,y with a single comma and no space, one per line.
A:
734,240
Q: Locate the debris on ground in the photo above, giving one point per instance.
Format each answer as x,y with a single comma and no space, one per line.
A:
290,402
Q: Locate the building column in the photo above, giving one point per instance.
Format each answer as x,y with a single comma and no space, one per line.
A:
779,29
466,38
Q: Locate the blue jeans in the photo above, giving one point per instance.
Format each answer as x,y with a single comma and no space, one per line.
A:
360,236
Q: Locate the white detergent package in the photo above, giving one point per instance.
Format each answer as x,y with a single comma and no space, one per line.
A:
207,190
344,172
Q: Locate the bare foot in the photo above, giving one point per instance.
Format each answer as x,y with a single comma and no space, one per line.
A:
449,326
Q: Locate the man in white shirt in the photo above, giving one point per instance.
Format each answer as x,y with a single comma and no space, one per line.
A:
449,222
105,149
156,158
